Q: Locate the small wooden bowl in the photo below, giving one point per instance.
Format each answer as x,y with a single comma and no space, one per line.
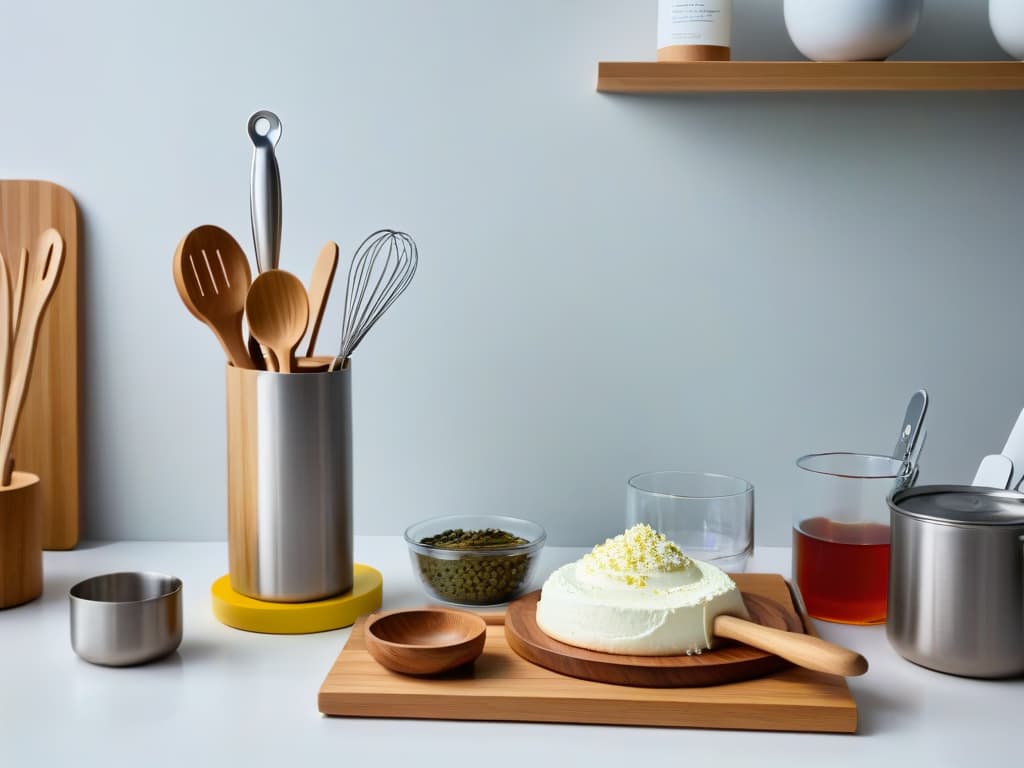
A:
425,641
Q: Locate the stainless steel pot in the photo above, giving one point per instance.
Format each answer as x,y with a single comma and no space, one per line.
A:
956,579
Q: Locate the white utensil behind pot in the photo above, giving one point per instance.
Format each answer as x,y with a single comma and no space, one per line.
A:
994,471
1014,451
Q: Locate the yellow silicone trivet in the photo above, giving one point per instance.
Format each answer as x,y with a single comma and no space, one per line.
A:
243,612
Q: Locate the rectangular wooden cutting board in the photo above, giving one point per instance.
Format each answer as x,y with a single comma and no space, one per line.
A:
503,686
47,439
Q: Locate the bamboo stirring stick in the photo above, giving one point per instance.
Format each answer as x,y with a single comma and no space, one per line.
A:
16,300
18,297
5,331
38,286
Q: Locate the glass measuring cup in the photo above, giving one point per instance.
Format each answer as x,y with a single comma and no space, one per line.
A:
841,534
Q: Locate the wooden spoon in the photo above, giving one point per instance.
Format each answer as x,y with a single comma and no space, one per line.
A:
803,650
47,263
319,288
277,308
212,275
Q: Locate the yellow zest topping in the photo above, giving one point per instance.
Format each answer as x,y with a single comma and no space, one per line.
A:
631,555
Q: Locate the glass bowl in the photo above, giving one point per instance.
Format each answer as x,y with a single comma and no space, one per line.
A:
480,575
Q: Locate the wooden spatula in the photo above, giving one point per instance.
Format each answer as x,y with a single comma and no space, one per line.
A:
40,280
212,275
319,288
277,309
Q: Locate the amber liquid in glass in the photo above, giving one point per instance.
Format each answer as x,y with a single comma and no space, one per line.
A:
842,569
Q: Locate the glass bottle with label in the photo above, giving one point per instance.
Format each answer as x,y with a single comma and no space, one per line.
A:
694,30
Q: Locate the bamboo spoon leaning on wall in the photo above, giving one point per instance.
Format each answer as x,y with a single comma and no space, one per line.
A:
16,300
18,297
37,282
5,330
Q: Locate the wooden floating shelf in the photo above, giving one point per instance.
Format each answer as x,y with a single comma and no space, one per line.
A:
791,76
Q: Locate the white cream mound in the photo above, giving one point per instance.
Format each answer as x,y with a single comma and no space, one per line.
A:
637,594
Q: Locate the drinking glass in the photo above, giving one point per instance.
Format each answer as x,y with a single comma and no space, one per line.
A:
841,534
710,517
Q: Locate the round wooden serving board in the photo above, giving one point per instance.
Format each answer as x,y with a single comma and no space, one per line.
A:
729,662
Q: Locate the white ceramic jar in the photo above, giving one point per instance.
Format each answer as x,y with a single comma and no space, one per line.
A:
1007,20
852,30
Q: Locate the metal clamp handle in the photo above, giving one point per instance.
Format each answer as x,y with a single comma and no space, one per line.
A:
912,421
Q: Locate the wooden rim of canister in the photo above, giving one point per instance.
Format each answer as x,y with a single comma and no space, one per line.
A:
19,480
694,53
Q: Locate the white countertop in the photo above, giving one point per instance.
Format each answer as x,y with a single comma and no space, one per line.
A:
234,698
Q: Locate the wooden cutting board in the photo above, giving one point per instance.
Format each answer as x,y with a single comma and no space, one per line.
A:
504,686
47,441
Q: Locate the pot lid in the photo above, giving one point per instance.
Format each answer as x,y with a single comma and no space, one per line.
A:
962,504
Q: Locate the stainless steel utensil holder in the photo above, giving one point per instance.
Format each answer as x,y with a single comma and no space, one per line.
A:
290,484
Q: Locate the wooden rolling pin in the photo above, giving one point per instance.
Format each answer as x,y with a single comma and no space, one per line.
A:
803,650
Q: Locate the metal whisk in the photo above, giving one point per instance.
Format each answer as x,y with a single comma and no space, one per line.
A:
381,269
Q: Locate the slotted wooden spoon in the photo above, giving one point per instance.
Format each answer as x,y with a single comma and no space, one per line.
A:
212,275
278,312
40,280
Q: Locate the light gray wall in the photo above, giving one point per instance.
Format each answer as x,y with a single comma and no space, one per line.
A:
608,284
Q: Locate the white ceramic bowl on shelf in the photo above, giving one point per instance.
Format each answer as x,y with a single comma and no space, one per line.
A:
1007,20
851,30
